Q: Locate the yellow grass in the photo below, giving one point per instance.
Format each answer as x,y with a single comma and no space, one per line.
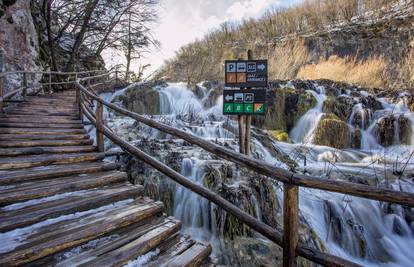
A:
369,73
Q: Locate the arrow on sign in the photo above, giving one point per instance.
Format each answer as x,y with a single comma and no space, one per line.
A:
261,67
228,98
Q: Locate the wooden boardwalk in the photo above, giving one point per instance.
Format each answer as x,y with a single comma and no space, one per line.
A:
61,204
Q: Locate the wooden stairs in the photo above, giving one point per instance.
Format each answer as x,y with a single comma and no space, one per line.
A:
61,204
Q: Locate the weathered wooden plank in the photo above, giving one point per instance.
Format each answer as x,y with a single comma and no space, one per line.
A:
44,113
35,161
54,238
169,252
35,119
53,171
192,257
8,152
89,200
34,143
40,117
135,248
14,137
47,188
41,125
124,238
41,131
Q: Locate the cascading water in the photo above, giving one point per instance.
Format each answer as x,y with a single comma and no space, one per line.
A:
303,131
368,232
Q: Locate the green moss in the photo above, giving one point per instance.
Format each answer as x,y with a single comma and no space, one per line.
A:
286,107
333,132
280,136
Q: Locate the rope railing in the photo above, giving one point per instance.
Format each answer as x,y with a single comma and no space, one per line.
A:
288,238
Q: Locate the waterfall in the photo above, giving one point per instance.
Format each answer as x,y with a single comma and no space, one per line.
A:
305,127
368,232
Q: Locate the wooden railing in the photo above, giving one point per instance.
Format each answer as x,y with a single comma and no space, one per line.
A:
288,238
53,79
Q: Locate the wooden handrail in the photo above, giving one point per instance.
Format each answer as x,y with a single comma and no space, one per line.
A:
271,233
288,239
261,167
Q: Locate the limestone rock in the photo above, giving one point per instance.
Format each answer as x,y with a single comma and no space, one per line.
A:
333,132
393,130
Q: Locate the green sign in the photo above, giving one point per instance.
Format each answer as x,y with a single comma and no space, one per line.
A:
246,101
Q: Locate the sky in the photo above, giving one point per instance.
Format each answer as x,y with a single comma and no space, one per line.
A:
183,21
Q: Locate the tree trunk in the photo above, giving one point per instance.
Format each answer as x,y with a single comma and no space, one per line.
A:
79,38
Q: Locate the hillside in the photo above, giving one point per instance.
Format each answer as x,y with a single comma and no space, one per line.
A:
369,44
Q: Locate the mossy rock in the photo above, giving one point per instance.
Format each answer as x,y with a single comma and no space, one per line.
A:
333,132
411,106
284,107
280,136
142,100
356,139
340,106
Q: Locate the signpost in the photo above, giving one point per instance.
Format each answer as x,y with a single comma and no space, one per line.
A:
245,101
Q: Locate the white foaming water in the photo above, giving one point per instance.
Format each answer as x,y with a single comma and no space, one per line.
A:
304,129
368,232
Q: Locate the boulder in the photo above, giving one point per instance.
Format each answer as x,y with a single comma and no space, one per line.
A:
212,95
393,130
341,106
141,98
333,132
284,107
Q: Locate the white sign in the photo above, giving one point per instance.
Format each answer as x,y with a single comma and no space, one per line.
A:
241,67
251,67
238,97
231,67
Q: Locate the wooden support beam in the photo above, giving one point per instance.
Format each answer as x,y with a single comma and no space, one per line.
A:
24,93
248,118
241,134
290,224
99,127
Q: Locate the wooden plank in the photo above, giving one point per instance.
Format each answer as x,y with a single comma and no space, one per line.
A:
40,117
44,113
125,237
54,171
135,248
53,238
171,251
89,200
32,119
41,131
41,125
290,224
34,143
9,152
14,137
36,161
193,256
47,188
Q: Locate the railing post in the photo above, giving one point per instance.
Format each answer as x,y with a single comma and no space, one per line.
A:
290,224
1,94
99,127
50,82
78,103
24,85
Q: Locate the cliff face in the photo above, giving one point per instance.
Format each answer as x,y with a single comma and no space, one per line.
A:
19,46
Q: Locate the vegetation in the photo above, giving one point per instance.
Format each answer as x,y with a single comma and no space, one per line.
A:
98,25
274,36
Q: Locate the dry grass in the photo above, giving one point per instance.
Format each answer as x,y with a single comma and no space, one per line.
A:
286,60
369,73
406,68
